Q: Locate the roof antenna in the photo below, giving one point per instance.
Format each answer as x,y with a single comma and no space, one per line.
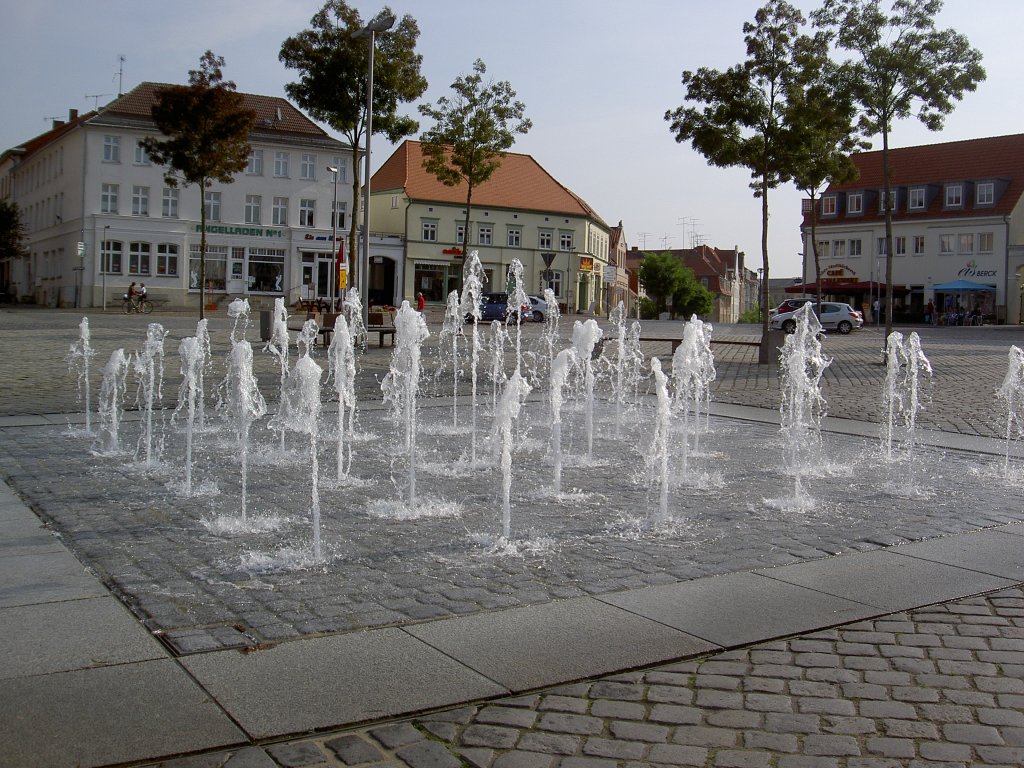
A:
120,75
96,98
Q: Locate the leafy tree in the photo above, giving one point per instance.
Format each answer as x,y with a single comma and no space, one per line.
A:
333,62
825,111
900,62
662,275
691,298
741,117
12,231
208,127
472,129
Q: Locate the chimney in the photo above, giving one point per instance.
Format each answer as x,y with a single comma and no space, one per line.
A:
72,115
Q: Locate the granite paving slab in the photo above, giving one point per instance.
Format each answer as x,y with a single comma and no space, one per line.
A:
45,577
326,682
75,634
887,580
23,533
540,645
108,716
991,551
739,608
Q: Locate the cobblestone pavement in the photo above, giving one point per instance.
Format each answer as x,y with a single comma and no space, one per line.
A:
938,687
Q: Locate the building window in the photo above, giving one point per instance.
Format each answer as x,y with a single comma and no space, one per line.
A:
484,234
986,193
169,203
985,242
554,282
138,259
954,196
167,259
140,201
111,149
966,243
460,233
394,200
308,168
893,199
430,231
823,248
212,205
916,199
216,267
340,209
253,203
828,205
108,198
565,241
307,213
255,166
279,215
839,248
266,270
141,155
855,203
281,164
881,246
544,239
946,244
112,256
919,245
900,246
515,237
339,163
855,248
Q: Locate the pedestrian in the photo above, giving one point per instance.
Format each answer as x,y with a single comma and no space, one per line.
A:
421,302
132,291
928,312
142,291
874,309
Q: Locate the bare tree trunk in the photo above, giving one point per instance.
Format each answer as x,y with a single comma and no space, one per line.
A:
887,192
814,250
765,353
353,254
202,249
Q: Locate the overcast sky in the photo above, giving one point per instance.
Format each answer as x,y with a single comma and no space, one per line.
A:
596,78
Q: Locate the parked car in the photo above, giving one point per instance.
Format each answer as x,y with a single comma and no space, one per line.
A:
538,309
494,306
834,316
789,305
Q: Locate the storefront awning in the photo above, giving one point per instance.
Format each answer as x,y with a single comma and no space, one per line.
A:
962,286
842,289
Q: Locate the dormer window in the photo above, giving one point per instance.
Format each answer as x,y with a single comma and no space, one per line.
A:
828,205
855,203
954,196
985,193
893,195
916,199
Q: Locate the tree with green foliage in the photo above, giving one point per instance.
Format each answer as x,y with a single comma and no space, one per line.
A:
472,130
692,298
740,115
12,231
662,276
900,62
333,61
825,111
207,125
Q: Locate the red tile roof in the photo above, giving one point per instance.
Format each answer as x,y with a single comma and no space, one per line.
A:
519,183
987,159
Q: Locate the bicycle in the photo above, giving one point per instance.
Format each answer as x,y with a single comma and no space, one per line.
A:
137,304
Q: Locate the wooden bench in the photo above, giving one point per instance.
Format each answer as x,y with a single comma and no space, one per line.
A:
675,342
375,323
327,326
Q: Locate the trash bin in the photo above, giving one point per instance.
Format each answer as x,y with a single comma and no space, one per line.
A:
264,325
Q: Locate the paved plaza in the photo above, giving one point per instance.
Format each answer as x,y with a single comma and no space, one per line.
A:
885,627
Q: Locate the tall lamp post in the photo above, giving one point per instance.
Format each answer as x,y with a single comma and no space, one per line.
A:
103,267
334,235
383,24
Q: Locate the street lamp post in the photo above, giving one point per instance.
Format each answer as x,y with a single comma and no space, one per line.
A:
334,235
103,267
382,24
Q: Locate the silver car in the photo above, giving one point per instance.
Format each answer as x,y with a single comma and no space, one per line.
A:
834,316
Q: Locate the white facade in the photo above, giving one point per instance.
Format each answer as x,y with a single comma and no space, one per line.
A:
89,182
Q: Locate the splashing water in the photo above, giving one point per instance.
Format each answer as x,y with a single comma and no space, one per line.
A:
802,365
301,409
191,354
1012,393
505,416
243,405
401,383
906,364
657,459
203,340
560,368
499,337
342,368
278,347
472,287
79,356
352,306
238,310
451,332
517,300
109,407
585,337
149,371
693,370
617,318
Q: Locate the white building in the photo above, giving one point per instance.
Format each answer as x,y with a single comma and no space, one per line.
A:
957,216
100,215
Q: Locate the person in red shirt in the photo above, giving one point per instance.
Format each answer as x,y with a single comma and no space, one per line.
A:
420,302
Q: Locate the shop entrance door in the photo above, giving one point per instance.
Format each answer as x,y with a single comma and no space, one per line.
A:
323,277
